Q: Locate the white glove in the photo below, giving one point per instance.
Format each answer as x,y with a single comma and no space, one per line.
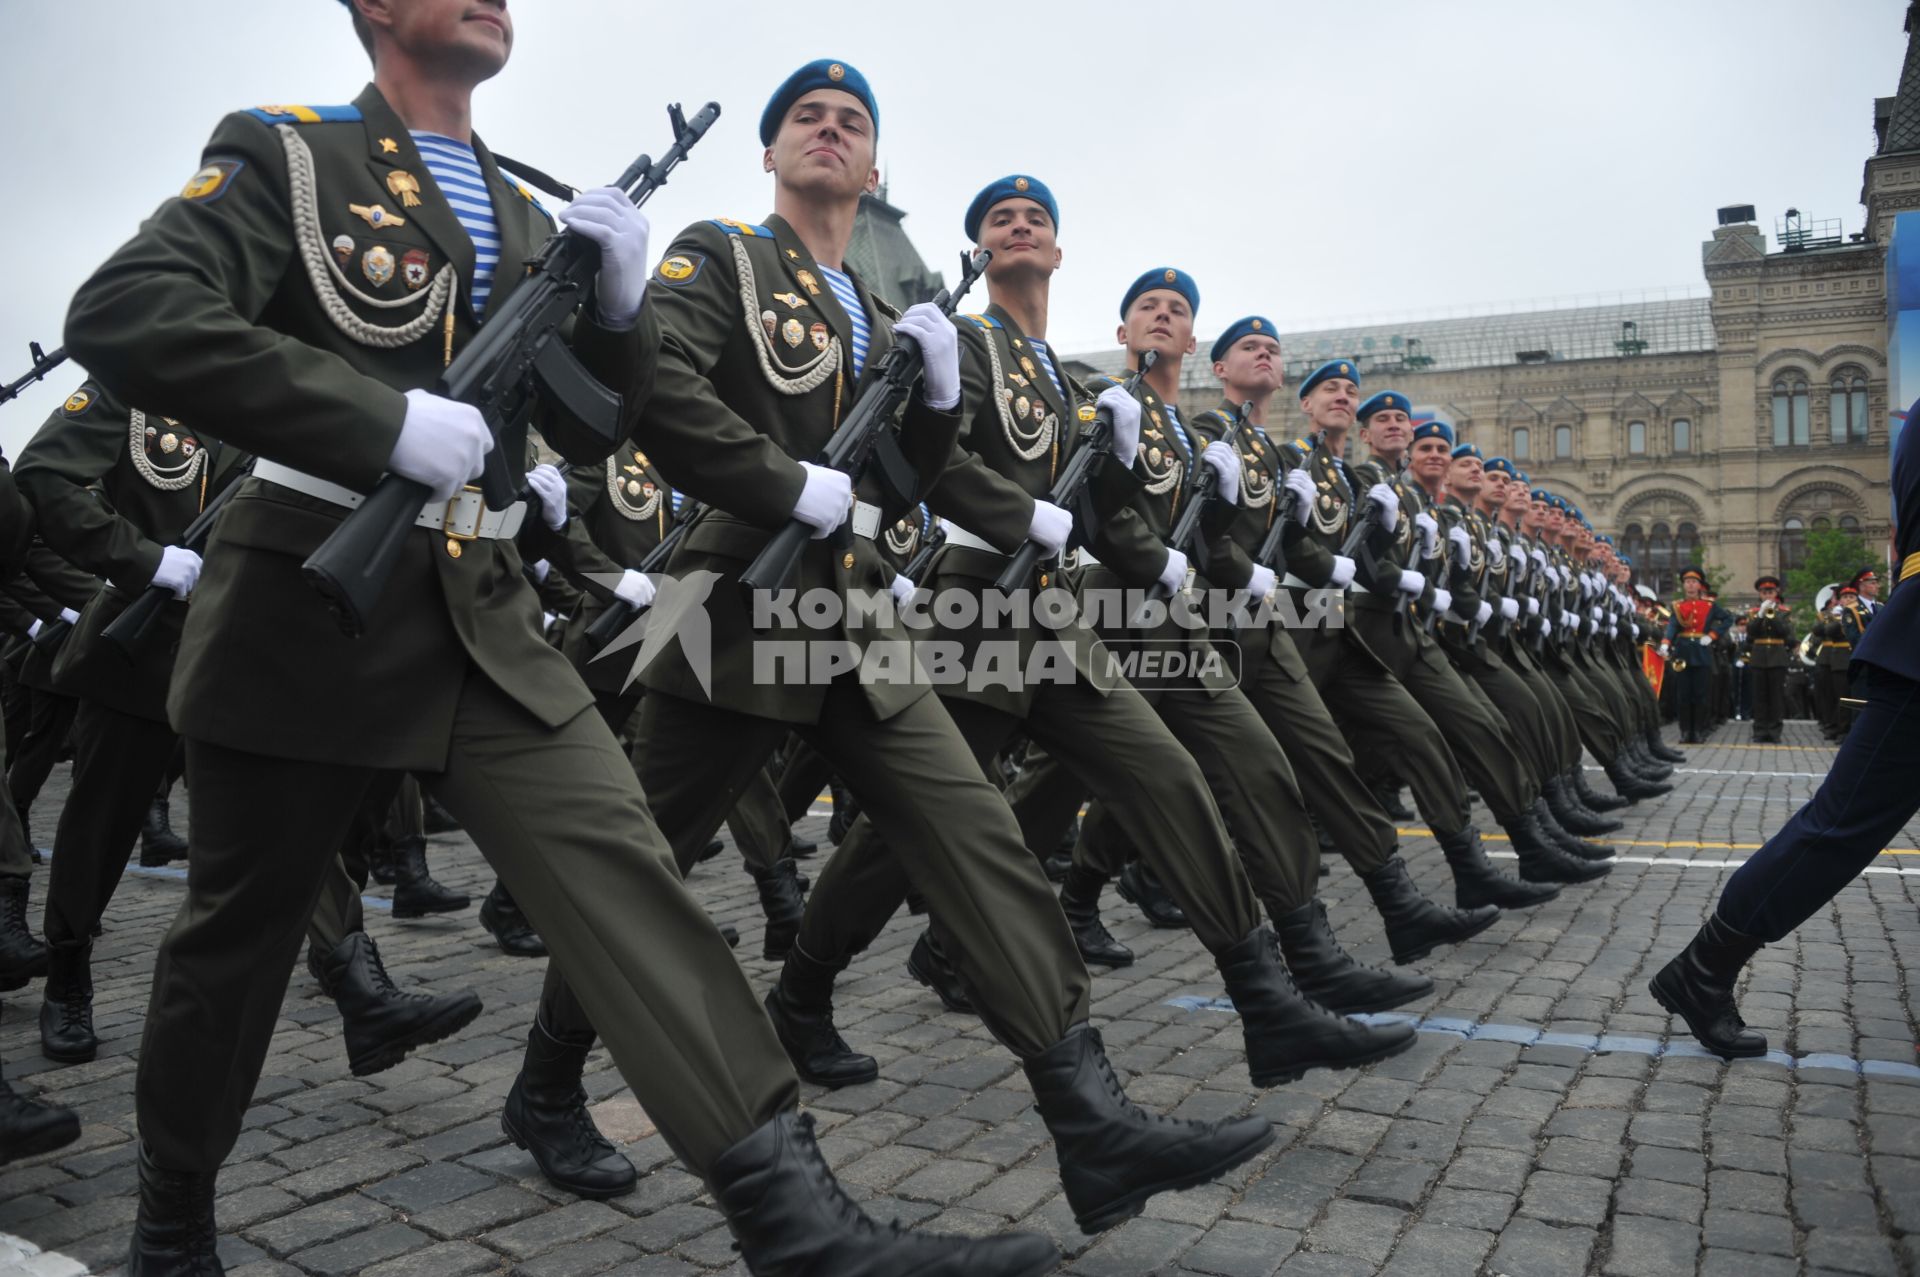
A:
1411,582
550,486
179,569
1665,647
1613,631
1462,546
1539,558
1533,607
902,588
1496,553
826,500
1596,615
540,568
607,217
1387,502
1485,613
1510,609
1546,628
1262,583
546,621
1174,575
1343,570
1568,621
939,344
1220,457
1429,532
1126,421
1442,601
443,443
1050,527
70,616
635,589
1300,483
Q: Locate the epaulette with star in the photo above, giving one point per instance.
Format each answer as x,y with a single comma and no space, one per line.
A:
748,229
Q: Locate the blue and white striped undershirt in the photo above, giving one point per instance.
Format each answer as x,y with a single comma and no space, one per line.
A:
1046,361
1181,426
850,302
456,171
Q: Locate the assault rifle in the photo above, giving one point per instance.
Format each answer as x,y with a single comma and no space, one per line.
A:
620,613
1186,529
43,363
853,444
128,631
515,357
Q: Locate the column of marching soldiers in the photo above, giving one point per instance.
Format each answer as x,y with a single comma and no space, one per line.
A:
274,330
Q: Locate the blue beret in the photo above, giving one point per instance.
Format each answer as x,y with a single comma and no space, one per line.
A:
1625,562
1163,277
1329,370
1541,494
1382,402
1526,480
1604,539
1468,450
1435,429
1011,187
1500,465
824,74
1238,329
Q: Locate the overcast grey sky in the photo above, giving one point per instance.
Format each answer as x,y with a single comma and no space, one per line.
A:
1309,161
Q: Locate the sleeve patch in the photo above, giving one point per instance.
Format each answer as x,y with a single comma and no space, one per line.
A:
77,401
212,181
681,269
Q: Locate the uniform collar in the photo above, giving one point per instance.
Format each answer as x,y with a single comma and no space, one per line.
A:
1020,342
801,267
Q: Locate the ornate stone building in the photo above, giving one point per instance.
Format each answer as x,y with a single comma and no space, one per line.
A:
1737,419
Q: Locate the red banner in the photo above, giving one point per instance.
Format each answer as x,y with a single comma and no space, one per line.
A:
1654,665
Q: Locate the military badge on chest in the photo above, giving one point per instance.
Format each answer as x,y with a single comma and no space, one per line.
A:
635,495
164,455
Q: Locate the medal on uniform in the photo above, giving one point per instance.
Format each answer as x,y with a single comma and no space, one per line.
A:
343,248
1039,411
633,487
388,146
770,322
405,187
1020,406
1153,456
413,267
1026,366
821,336
792,332
792,301
169,443
377,265
376,216
808,282
188,447
1017,380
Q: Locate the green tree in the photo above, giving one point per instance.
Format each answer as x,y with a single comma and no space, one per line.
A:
1832,556
1717,573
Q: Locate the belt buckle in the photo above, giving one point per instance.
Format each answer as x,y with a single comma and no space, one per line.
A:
478,507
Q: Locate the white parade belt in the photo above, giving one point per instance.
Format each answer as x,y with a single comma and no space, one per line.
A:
866,520
464,518
957,535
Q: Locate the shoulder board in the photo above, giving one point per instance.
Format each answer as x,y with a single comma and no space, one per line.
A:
529,196
985,321
1213,419
884,306
748,229
1100,383
1296,452
305,114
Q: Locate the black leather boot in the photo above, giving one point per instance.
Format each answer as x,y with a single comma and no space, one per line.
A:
1698,985
1632,787
783,900
1592,798
801,848
1476,882
1056,866
1287,1032
1565,841
1113,1154
929,964
1541,861
1138,887
500,915
159,845
1658,747
791,1218
380,866
1080,901
23,955
382,1022
415,893
1642,764
1573,815
1327,974
173,1230
1415,925
1387,794
845,808
435,818
66,1011
28,1128
800,1004
546,1114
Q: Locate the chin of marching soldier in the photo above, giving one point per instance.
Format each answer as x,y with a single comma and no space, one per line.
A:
269,343
768,343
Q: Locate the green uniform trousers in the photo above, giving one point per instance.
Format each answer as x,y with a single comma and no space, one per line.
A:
927,797
1507,694
16,858
559,815
1562,731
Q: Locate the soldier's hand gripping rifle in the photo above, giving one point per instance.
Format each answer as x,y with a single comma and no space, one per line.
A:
1272,553
128,631
43,363
1186,529
1096,445
853,444
518,354
620,613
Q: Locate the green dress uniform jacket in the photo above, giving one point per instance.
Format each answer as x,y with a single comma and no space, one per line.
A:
619,510
113,488
306,277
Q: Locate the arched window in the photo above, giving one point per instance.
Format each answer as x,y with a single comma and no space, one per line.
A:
1562,442
1793,545
1849,524
1821,523
1790,427
1660,556
1682,435
1522,449
1637,438
1847,406
1685,540
1633,544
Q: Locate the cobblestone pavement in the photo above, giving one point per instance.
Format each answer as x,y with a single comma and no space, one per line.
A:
1545,1124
